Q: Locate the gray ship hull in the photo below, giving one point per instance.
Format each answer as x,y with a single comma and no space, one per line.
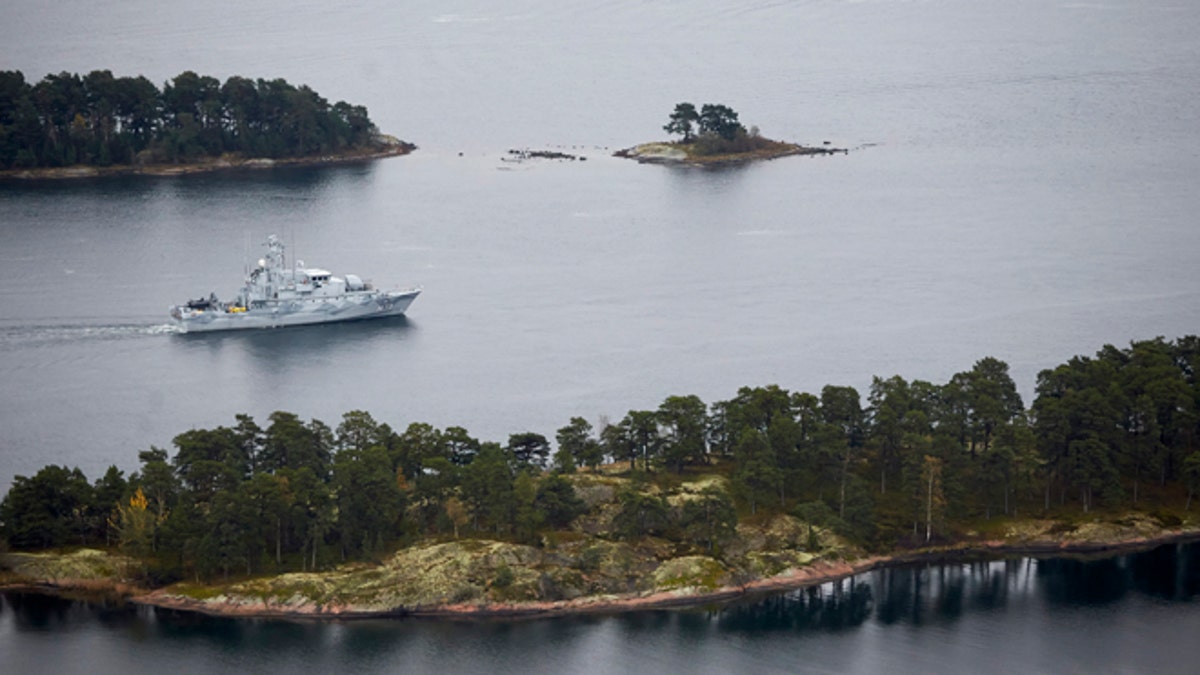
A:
351,306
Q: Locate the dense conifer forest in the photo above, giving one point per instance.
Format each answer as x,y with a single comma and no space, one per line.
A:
916,463
102,120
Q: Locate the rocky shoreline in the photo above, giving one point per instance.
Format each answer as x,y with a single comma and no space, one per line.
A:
814,575
819,573
674,153
386,146
226,601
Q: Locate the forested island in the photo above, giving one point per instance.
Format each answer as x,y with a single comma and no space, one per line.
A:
67,125
713,135
680,504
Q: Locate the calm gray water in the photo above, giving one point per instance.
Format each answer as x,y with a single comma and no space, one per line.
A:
1022,184
1134,613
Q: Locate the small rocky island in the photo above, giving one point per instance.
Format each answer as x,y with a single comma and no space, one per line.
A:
714,136
72,126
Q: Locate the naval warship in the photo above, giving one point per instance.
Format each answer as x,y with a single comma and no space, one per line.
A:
276,295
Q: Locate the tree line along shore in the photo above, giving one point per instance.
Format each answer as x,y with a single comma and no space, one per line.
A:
69,125
768,487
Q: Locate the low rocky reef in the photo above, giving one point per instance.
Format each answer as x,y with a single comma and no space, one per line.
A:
383,146
686,153
525,154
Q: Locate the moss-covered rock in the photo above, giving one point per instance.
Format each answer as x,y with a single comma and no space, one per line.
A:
785,533
85,564
596,494
693,489
421,576
764,564
696,573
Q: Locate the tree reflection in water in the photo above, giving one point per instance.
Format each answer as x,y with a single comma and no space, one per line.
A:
834,606
1169,572
940,593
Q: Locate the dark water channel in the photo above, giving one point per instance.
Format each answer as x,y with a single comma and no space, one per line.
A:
1131,613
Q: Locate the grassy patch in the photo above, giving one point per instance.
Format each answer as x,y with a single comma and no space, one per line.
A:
1166,519
771,563
1062,528
199,592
